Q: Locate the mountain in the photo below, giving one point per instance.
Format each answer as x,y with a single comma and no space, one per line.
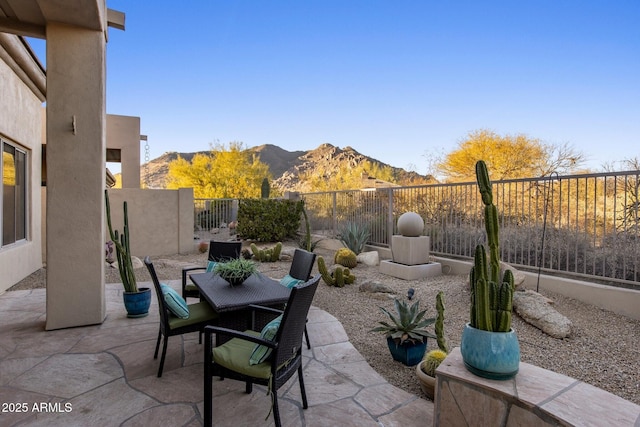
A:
287,167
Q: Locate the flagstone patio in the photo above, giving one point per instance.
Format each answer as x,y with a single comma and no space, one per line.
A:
105,375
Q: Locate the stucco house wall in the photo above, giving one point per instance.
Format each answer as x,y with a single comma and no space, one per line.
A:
20,110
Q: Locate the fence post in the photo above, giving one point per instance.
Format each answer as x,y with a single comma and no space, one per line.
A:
390,218
334,214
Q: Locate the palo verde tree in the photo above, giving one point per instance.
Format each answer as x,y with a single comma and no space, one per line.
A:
225,172
509,156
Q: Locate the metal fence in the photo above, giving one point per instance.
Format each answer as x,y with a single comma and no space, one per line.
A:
583,226
210,214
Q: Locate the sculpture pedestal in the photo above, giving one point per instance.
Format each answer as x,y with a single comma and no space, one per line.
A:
410,250
410,272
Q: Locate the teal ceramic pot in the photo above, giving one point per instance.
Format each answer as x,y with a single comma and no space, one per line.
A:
137,303
408,353
493,355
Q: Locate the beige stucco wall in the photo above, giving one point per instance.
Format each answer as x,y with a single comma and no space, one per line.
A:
160,221
123,133
20,124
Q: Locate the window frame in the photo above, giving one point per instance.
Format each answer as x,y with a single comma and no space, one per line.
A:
25,203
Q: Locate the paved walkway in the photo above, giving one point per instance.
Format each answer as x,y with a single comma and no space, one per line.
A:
105,375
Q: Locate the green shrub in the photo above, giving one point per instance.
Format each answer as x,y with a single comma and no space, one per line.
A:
268,220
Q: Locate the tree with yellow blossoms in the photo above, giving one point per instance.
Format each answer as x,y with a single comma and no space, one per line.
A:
507,157
225,172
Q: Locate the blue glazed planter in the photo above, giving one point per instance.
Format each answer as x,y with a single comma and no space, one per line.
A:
493,355
408,353
137,303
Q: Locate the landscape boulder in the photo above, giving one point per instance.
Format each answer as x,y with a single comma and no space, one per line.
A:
370,258
536,310
375,287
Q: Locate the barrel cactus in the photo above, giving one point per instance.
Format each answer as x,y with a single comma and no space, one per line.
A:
346,258
491,296
432,360
339,277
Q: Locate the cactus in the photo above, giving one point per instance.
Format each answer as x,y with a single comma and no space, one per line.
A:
432,360
265,189
439,325
346,258
123,250
491,298
267,254
340,276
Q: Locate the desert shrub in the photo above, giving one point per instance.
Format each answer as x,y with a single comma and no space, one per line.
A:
268,220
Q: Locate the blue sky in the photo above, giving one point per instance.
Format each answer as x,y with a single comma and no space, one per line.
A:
395,80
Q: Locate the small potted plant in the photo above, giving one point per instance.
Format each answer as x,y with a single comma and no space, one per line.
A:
489,346
426,369
236,270
405,331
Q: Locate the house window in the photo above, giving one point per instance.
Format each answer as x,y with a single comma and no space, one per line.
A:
14,193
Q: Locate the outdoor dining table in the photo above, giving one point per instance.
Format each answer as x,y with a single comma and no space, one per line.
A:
232,302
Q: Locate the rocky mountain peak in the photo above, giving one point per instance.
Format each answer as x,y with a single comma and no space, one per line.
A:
286,167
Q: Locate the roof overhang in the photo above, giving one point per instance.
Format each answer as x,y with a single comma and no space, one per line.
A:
30,17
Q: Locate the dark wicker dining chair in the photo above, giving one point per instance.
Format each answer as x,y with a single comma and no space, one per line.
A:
300,271
235,358
198,315
219,251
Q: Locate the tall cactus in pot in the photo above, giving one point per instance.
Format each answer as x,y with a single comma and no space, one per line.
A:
123,251
491,296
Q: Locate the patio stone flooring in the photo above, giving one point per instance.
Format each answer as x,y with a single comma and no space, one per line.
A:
105,375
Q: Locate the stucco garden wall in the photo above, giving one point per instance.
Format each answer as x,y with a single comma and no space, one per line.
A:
160,221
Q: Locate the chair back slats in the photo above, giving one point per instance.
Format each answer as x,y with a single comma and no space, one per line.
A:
302,264
224,251
289,336
164,310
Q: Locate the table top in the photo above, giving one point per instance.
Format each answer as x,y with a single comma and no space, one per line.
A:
257,289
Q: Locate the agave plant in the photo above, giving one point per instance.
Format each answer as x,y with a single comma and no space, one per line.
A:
406,324
235,271
354,236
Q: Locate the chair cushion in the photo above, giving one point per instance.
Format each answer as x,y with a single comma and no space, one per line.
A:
235,354
261,352
175,303
210,266
289,281
200,312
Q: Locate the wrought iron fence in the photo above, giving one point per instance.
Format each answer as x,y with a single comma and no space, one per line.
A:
209,214
577,225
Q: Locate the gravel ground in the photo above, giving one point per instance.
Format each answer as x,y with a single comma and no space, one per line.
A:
603,349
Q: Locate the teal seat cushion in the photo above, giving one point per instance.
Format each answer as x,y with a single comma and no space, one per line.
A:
175,303
198,312
261,352
289,281
210,266
235,355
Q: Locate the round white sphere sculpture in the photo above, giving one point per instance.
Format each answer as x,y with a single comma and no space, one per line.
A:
410,224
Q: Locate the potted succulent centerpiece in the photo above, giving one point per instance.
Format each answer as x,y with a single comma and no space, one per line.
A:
489,346
235,271
405,331
136,301
426,369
